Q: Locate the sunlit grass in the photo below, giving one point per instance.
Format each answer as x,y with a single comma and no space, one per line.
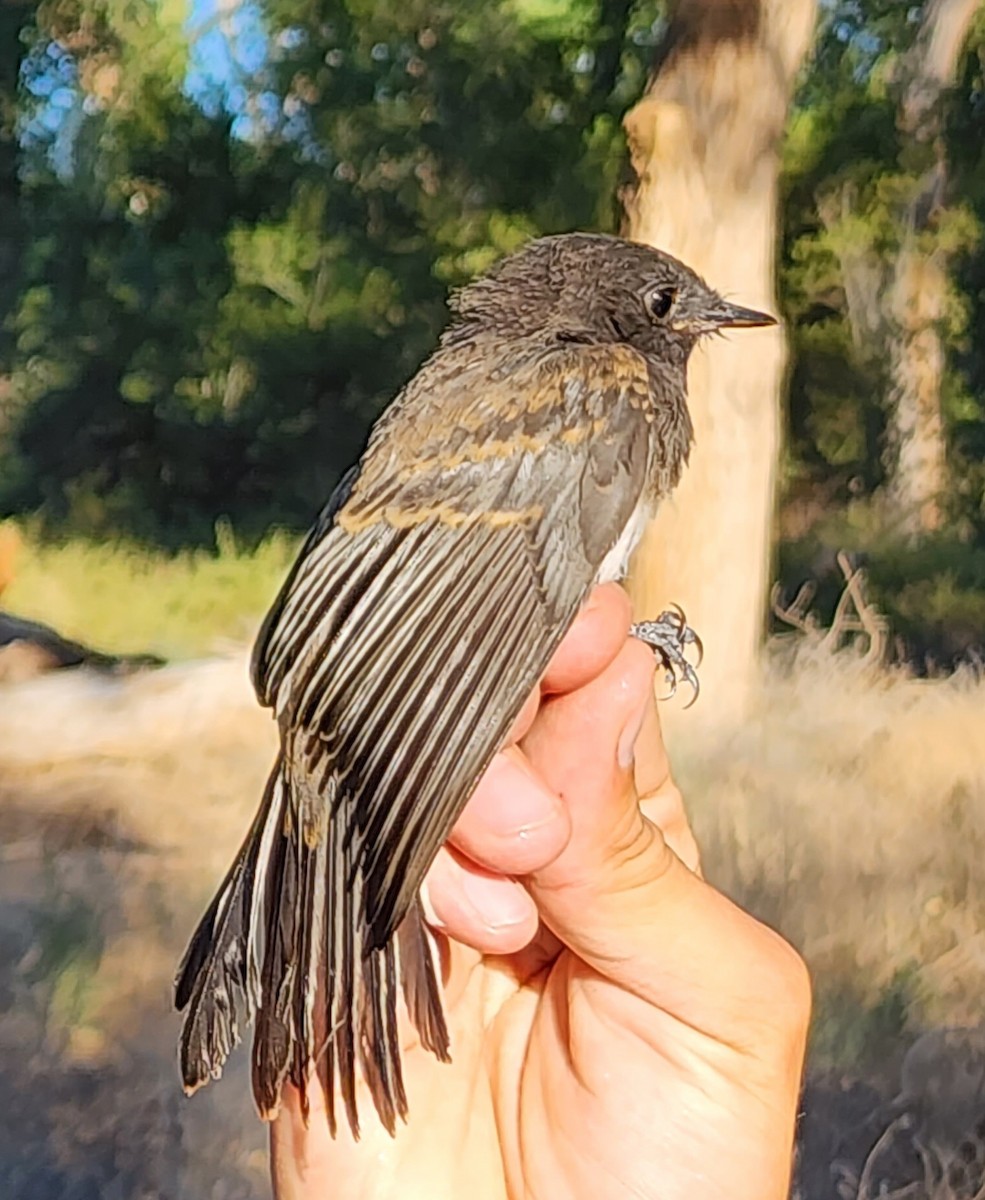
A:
849,813
120,598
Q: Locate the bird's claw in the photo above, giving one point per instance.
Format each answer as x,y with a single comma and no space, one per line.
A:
669,636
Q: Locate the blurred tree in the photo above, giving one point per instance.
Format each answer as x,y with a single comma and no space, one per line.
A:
242,229
851,173
964,384
127,192
917,297
875,234
13,18
227,232
705,143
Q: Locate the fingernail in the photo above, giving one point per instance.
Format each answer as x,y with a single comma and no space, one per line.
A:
430,916
626,747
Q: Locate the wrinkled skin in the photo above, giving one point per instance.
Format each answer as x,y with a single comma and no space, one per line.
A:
618,1027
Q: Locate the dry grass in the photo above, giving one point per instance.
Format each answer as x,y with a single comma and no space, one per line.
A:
120,805
849,813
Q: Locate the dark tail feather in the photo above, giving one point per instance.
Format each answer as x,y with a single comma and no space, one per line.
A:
334,896
279,921
286,941
364,988
379,1041
348,953
314,879
218,980
419,981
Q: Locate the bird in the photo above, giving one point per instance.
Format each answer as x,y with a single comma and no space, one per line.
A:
515,470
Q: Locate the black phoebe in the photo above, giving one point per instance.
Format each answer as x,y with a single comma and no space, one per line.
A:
516,469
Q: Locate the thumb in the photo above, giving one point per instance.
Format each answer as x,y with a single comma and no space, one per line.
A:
617,895
582,744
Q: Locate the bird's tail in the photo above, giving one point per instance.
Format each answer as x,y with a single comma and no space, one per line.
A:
285,943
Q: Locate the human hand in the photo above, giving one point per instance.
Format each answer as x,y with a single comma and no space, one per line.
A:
618,1028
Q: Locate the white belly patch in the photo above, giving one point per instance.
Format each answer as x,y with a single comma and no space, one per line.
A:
616,562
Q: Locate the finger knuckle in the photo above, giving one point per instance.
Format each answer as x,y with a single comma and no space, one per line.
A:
787,981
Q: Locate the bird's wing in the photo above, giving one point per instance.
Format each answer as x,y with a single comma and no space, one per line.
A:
424,607
429,600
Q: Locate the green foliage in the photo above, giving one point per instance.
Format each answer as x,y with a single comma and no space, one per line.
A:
212,280
849,177
856,1033
218,295
966,400
70,942
850,174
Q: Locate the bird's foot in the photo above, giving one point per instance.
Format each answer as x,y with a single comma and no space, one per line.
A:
669,636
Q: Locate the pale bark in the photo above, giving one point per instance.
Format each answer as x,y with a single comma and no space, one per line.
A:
917,295
916,440
862,268
705,145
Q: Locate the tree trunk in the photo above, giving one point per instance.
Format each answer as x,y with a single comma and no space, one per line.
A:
705,148
916,450
917,295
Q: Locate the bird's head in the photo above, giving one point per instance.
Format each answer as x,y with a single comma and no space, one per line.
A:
595,288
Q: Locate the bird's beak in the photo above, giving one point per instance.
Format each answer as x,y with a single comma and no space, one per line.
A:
732,316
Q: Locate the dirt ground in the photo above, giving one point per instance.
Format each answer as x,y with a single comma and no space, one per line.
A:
849,812
120,804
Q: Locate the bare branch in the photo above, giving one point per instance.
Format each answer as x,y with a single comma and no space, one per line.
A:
854,615
797,613
885,1140
866,619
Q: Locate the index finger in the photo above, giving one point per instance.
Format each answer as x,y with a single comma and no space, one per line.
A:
593,641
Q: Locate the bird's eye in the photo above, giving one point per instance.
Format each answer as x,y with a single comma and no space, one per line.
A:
660,302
